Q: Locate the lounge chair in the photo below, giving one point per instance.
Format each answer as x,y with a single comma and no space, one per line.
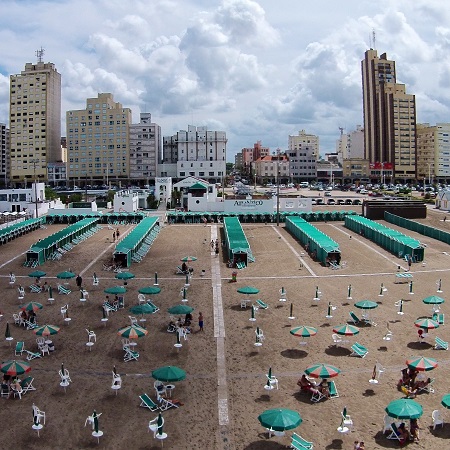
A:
300,443
354,318
395,433
32,355
440,344
165,403
427,387
20,348
109,307
27,384
180,271
130,355
35,288
317,395
63,290
147,402
359,350
153,305
261,305
439,318
332,389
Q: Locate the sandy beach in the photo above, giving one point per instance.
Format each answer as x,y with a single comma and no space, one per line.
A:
223,393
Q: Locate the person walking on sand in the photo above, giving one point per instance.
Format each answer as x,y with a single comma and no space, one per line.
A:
114,236
79,281
212,245
117,233
200,321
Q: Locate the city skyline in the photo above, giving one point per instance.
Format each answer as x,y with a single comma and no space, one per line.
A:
249,68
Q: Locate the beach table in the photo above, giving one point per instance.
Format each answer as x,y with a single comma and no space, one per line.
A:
403,278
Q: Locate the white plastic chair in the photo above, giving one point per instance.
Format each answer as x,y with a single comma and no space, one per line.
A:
437,418
38,414
387,422
159,387
91,335
153,425
116,382
272,380
141,299
133,320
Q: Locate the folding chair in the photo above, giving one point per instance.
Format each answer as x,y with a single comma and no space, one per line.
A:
147,402
130,355
300,443
260,335
359,350
261,304
27,384
38,414
440,344
165,403
20,348
272,380
36,289
63,290
395,434
32,355
317,396
427,387
354,318
133,320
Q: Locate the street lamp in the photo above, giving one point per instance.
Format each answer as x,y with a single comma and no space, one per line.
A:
278,187
429,172
34,162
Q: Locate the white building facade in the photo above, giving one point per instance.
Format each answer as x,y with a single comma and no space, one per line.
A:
303,151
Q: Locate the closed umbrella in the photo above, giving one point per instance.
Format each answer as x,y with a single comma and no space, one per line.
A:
280,419
404,408
346,330
14,367
169,374
180,309
66,275
421,363
322,371
132,332
46,330
8,333
115,290
149,290
94,415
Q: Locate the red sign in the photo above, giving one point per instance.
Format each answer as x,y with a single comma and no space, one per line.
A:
381,166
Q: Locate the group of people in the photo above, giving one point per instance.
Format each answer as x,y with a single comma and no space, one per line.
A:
116,234
10,384
409,384
215,245
186,323
28,317
307,385
413,434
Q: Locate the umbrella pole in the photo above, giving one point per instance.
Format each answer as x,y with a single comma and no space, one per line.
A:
411,288
156,279
291,313
349,292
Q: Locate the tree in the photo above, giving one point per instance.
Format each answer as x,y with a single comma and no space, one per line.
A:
152,202
50,194
229,168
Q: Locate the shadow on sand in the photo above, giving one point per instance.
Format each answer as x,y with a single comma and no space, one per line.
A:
294,353
265,445
336,350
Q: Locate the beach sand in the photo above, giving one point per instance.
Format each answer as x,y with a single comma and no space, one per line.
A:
195,425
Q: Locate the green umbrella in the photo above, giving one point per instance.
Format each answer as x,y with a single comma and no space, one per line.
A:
426,323
66,275
145,308
14,367
31,306
115,290
433,300
248,290
421,363
169,374
149,290
132,332
446,401
303,331
46,330
188,259
125,276
180,309
37,274
366,304
404,408
322,371
346,330
280,419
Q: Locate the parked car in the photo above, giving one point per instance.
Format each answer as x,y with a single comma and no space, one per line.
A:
357,201
331,201
348,201
341,201
327,194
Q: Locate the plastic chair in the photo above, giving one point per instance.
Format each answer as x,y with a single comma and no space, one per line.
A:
437,418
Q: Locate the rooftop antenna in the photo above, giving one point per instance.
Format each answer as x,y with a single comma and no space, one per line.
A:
341,129
40,54
374,39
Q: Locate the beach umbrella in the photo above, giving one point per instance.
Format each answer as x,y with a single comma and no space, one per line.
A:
66,275
346,330
31,306
322,371
188,259
125,276
132,332
248,290
421,363
303,331
169,374
446,401
426,323
280,419
433,300
115,290
404,408
145,308
366,304
46,330
149,290
180,309
37,274
14,367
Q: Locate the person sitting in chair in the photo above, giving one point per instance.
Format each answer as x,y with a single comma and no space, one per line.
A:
184,267
403,434
188,319
306,385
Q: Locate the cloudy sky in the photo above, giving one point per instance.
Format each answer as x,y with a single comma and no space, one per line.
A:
257,69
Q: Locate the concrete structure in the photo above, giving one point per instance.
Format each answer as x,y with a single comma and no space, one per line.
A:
250,155
163,189
303,152
34,120
28,200
98,148
356,170
126,201
4,155
389,117
196,152
57,174
443,200
272,168
238,161
145,149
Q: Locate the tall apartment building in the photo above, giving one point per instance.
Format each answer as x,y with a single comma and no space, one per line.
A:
251,154
197,152
272,168
4,155
34,120
303,151
433,152
389,117
98,141
145,149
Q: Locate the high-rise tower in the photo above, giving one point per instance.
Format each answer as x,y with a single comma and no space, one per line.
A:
35,120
